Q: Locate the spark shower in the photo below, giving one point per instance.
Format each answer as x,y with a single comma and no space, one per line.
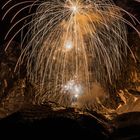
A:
71,45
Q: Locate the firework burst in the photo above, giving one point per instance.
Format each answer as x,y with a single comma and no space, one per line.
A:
72,44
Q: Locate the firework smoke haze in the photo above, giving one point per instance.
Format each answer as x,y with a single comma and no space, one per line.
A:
73,44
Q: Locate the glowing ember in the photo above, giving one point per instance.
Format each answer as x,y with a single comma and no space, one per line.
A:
75,89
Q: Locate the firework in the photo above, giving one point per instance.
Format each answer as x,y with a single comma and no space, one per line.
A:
72,44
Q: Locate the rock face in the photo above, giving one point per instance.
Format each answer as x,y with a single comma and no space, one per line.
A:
16,93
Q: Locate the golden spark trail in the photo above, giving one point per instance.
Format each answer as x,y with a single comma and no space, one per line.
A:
66,41
73,44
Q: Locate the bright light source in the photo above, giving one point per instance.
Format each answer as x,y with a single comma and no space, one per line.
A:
74,8
76,95
69,45
75,89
